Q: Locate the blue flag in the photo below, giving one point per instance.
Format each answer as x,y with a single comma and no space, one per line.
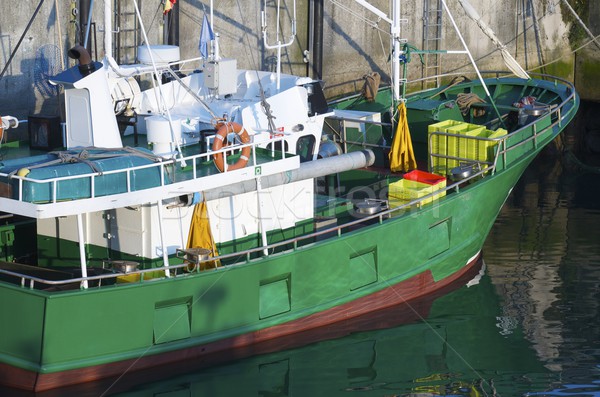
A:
206,35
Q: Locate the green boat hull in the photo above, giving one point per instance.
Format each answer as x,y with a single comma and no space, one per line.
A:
91,328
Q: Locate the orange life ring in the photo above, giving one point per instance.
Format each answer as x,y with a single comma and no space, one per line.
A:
222,130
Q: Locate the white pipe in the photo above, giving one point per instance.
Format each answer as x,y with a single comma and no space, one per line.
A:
308,170
81,238
128,70
163,244
108,30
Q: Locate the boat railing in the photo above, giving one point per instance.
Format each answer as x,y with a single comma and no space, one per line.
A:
239,257
342,133
160,166
244,256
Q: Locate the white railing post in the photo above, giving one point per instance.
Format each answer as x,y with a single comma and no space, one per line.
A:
163,244
82,259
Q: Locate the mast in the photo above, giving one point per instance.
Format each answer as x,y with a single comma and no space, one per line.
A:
395,40
278,45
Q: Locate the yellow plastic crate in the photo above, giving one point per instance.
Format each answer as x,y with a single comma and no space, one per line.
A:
135,277
462,147
439,144
405,191
483,151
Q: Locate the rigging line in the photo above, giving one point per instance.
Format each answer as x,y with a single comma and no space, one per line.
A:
374,25
583,25
536,30
160,4
593,39
514,39
246,38
12,55
590,41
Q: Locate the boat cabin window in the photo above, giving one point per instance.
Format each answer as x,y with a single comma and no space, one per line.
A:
277,146
305,147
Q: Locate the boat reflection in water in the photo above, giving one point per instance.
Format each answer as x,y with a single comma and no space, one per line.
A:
548,283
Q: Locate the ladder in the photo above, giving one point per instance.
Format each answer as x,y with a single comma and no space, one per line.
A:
432,37
127,35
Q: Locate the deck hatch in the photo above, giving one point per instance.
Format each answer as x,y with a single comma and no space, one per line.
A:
171,322
363,268
274,297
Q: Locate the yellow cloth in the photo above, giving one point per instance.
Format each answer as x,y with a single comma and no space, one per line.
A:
402,156
200,235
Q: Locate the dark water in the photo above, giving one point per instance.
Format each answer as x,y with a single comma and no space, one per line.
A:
530,327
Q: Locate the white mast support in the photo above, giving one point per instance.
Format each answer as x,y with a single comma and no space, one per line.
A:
158,79
462,40
279,45
107,28
161,227
263,231
81,238
377,11
395,34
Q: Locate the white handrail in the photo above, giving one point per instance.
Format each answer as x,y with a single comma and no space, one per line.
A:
53,182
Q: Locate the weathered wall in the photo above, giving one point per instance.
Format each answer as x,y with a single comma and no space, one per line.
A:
351,46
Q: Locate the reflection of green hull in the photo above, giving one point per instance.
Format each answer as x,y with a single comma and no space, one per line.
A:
81,335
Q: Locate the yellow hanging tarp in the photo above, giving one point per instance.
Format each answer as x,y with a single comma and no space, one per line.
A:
200,235
402,156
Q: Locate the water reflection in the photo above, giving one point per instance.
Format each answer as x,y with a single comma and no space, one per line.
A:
549,278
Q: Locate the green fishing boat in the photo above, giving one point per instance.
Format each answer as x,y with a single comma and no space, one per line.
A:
249,210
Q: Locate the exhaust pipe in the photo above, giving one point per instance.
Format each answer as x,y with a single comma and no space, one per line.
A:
86,66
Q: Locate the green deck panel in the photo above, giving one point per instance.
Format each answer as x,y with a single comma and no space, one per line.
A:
22,326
